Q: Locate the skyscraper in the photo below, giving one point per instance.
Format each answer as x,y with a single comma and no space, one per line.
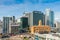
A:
34,17
1,26
49,17
28,14
24,21
6,24
13,19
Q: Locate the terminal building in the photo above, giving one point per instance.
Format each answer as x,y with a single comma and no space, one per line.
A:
41,29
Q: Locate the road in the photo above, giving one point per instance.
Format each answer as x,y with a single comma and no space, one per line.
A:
20,37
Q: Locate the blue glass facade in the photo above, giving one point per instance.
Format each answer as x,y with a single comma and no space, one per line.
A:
38,15
36,38
24,21
49,18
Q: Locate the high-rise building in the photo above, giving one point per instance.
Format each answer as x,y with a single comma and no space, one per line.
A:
49,17
13,19
34,17
1,23
24,22
28,14
7,25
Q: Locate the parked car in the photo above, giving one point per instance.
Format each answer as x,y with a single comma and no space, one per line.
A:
22,31
5,36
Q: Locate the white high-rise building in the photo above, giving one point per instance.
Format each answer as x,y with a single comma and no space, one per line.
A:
1,26
7,25
49,17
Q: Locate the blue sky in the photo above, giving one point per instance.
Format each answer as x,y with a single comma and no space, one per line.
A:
17,7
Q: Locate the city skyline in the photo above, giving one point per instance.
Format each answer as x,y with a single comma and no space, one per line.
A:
18,7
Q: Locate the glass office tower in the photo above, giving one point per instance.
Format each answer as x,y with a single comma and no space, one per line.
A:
34,17
24,22
38,15
49,18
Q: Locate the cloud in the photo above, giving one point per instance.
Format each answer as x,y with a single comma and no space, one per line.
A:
17,7
12,2
49,1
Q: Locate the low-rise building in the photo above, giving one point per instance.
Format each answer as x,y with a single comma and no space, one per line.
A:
57,27
57,24
47,36
40,28
15,28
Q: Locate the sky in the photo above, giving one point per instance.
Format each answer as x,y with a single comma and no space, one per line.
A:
18,7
